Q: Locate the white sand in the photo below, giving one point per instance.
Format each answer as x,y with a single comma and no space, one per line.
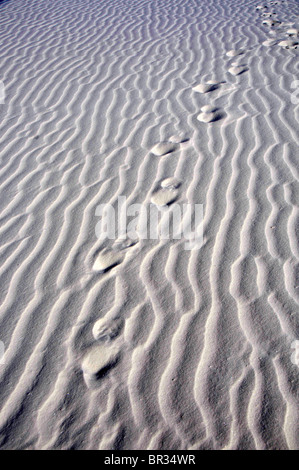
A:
237,70
205,87
171,183
164,196
148,345
163,148
107,259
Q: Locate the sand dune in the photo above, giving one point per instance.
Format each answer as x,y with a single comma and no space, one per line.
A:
144,344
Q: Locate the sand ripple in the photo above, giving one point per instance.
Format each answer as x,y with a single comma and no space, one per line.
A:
147,345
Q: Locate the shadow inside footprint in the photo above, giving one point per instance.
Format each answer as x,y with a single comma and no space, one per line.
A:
237,70
218,116
206,87
105,260
103,372
98,362
164,148
164,197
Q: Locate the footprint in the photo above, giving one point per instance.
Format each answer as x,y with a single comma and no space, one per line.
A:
271,23
97,362
270,42
208,108
261,7
170,183
210,114
164,197
107,328
107,259
168,194
268,15
179,139
124,243
293,32
206,87
163,148
238,69
288,44
235,52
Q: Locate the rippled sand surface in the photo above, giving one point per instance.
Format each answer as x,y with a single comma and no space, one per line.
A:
145,343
